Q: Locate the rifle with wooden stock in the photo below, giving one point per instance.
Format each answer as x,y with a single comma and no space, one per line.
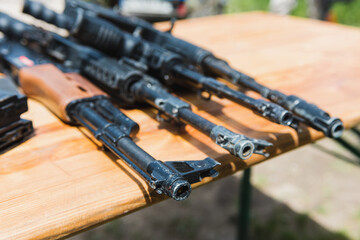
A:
124,81
76,101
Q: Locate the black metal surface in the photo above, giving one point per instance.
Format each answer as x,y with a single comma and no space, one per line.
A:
113,129
58,19
244,206
204,59
313,115
124,80
106,109
15,133
12,105
13,129
163,63
263,108
164,179
150,91
237,144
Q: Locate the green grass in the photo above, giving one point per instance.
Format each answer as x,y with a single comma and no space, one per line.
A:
301,9
234,6
345,13
348,13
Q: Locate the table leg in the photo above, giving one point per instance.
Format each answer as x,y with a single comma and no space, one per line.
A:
348,146
244,206
356,131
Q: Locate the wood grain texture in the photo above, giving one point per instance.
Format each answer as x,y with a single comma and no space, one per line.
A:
60,182
54,89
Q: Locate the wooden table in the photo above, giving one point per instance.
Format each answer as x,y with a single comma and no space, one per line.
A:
60,182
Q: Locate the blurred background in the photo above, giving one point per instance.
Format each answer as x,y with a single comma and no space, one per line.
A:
341,11
309,193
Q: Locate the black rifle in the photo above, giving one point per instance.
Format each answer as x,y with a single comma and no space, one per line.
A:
123,81
76,101
167,65
207,62
13,129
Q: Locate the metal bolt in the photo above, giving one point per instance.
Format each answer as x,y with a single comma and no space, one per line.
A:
220,139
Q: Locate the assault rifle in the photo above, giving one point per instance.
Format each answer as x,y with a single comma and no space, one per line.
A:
13,129
122,80
169,66
202,58
76,101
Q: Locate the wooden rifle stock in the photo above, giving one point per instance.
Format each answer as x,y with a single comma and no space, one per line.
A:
55,89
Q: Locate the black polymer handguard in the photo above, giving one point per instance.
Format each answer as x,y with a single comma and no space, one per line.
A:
170,178
122,80
161,62
96,113
13,129
76,25
191,52
310,113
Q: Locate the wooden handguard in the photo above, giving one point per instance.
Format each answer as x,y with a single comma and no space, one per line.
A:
55,89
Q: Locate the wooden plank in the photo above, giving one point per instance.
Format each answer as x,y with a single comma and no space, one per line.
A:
60,182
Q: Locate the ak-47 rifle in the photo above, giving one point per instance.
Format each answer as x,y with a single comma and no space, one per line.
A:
202,58
123,81
169,66
13,129
76,101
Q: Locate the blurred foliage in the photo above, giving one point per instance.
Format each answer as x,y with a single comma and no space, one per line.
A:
234,6
301,9
347,12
